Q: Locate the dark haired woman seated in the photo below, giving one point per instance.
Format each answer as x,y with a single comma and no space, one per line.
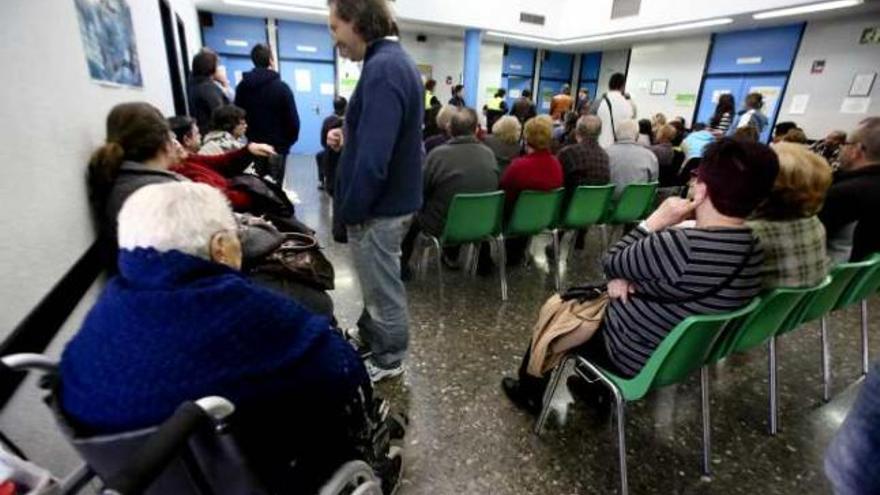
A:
659,275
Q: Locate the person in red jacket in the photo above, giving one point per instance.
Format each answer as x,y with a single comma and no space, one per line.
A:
538,170
214,170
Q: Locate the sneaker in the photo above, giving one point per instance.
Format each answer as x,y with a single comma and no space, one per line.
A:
377,374
353,336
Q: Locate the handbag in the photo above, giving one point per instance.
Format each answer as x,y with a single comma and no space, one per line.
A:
299,258
565,321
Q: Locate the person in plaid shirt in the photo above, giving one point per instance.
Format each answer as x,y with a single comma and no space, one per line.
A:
792,235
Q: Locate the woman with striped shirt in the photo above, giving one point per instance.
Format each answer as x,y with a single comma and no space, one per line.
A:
723,117
659,275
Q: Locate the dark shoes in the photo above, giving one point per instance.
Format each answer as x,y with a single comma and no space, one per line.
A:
520,398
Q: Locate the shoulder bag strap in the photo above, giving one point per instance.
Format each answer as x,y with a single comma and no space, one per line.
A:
611,115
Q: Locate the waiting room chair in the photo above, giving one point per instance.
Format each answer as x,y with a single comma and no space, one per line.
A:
634,204
587,207
862,286
473,218
682,351
191,453
772,317
534,213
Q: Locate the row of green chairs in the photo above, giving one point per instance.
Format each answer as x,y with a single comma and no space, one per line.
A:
701,341
475,218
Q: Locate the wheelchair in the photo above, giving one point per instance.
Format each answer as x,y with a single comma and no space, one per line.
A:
191,453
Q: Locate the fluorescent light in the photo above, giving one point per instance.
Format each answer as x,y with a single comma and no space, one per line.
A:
520,37
807,9
256,4
641,32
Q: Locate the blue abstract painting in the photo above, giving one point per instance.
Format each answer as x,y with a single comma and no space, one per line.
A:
109,41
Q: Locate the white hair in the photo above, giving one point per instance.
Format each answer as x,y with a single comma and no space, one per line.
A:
181,216
627,130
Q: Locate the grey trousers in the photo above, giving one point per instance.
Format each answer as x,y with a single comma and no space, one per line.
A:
384,322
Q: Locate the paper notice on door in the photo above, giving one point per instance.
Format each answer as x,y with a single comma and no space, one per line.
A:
515,93
303,80
799,104
771,96
855,105
237,75
327,89
716,95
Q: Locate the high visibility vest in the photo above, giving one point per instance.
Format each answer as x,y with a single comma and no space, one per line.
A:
428,97
495,103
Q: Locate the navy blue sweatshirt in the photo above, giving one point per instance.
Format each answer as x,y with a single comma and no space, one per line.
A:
271,109
380,171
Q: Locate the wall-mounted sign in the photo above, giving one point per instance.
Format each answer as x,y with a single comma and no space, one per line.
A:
870,35
306,48
818,67
862,84
685,99
658,86
238,43
749,60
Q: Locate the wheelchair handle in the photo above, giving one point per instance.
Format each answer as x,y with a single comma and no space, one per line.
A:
163,446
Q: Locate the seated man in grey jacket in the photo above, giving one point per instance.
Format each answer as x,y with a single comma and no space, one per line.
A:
462,165
629,161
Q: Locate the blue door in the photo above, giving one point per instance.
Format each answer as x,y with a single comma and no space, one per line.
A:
713,88
546,90
236,66
515,86
313,86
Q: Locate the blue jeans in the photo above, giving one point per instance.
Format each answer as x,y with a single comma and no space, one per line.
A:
384,322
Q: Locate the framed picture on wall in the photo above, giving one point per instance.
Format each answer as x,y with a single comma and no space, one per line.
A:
109,43
658,86
862,84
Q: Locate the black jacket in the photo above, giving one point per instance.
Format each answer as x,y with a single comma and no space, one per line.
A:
855,197
271,109
204,97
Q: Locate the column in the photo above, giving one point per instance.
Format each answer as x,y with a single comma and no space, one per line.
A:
472,40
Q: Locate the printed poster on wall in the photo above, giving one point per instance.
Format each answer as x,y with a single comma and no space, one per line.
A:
109,42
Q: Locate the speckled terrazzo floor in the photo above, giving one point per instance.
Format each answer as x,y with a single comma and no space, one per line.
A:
466,438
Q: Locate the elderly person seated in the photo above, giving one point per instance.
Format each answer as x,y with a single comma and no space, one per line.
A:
140,150
659,275
505,141
829,148
630,162
228,126
462,165
792,235
444,115
539,170
180,322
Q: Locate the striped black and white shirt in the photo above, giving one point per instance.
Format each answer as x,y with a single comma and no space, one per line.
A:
675,264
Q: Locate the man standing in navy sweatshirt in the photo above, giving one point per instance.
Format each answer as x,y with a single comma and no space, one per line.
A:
379,177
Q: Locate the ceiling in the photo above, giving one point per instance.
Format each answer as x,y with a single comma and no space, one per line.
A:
567,21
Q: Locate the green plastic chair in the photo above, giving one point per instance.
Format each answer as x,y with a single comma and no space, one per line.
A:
820,304
534,213
587,207
680,353
772,317
634,204
863,285
472,218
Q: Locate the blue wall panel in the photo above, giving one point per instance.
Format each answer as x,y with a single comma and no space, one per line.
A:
515,86
557,66
755,51
590,65
519,61
304,41
234,35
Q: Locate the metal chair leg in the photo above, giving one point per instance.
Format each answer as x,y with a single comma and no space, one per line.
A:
439,250
773,397
548,396
826,360
865,363
621,439
558,262
707,422
502,265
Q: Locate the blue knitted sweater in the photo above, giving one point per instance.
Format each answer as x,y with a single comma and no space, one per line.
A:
172,327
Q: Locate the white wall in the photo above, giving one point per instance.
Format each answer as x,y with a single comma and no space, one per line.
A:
612,61
836,42
445,55
55,119
680,62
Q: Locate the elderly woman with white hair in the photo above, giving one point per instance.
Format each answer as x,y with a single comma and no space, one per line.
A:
181,322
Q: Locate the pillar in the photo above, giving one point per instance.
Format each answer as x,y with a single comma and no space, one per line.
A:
472,40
